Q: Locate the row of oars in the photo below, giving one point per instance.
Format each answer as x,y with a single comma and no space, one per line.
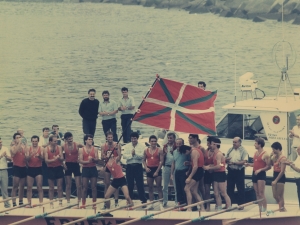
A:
131,207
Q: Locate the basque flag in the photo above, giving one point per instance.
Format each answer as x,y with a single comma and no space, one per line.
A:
176,106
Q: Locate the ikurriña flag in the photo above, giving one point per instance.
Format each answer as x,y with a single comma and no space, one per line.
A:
176,106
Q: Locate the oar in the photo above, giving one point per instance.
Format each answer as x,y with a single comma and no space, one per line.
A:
42,215
16,207
8,199
45,203
147,217
198,203
144,204
202,218
231,222
98,202
97,215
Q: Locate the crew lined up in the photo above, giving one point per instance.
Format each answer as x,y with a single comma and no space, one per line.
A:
191,168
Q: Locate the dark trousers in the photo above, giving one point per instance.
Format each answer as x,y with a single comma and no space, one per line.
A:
298,189
236,178
180,177
126,127
89,127
110,124
134,172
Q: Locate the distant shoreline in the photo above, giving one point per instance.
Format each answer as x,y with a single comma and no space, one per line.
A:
255,10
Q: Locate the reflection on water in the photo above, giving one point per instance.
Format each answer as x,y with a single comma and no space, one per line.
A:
52,53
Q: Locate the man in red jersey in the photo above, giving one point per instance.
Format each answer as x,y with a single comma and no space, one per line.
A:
192,181
71,150
54,158
34,157
153,159
119,180
17,152
107,148
195,142
261,164
219,174
208,174
88,157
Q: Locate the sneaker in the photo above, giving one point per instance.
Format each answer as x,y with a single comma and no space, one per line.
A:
28,206
104,207
7,206
82,207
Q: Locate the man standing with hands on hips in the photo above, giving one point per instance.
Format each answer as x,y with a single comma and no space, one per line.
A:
126,106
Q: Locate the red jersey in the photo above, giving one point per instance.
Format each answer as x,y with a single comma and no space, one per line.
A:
19,158
35,161
109,149
223,162
277,164
71,155
52,155
258,163
85,157
201,157
208,158
152,159
115,169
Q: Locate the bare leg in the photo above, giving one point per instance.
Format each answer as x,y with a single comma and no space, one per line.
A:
78,187
51,189
158,181
30,181
195,194
39,185
21,188
217,195
223,192
94,188
188,193
110,190
68,180
59,187
150,182
280,196
126,195
261,192
85,183
14,189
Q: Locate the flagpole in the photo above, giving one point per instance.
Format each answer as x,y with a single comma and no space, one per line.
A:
149,91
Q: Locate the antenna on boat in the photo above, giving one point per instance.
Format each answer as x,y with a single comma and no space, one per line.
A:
285,60
235,78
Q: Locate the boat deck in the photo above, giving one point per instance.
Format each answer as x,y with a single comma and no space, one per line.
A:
250,215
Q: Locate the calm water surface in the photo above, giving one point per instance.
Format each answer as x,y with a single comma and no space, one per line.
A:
52,53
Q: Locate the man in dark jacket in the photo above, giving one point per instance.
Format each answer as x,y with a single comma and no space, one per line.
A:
88,110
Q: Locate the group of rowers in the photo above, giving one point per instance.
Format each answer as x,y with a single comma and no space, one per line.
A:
192,168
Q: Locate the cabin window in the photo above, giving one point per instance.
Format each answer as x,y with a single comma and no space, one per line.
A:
246,126
253,127
231,126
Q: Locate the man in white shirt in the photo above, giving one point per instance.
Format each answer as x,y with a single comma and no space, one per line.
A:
4,157
134,155
295,134
126,106
44,139
236,157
